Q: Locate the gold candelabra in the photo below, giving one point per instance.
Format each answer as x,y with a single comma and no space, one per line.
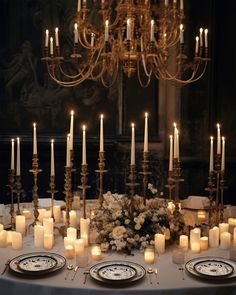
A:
67,192
222,187
135,36
132,184
176,176
52,191
18,190
11,186
84,186
146,173
35,171
170,184
211,189
101,171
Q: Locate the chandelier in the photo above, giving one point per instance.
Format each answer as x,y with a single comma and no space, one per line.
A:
136,36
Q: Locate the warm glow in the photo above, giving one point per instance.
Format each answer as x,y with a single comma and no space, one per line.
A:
171,136
128,21
201,30
206,31
47,32
101,116
34,125
18,139
72,113
223,138
197,39
12,140
152,22
181,27
218,125
211,137
76,26
52,140
84,127
146,115
56,30
51,39
174,124
107,23
132,125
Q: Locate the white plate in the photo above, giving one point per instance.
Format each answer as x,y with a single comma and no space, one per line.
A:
132,272
14,263
37,263
214,268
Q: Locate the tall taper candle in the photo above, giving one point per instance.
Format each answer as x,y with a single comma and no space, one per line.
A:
211,166
52,158
68,151
171,154
18,157
12,154
84,160
177,144
71,130
34,140
106,30
223,154
76,34
128,30
145,146
218,139
101,134
56,37
46,38
175,141
132,158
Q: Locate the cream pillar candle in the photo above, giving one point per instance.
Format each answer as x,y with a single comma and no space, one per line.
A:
20,224
232,224
132,157
204,243
9,237
69,252
84,157
41,214
195,235
72,233
79,247
18,157
38,236
96,252
48,214
149,255
171,154
214,237
73,218
225,240
84,229
48,241
223,227
160,243
218,139
195,247
48,226
3,239
34,139
69,241
17,241
26,212
57,213
12,154
101,149
1,227
71,130
145,145
183,242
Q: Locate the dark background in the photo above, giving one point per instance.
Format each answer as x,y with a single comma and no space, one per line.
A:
27,95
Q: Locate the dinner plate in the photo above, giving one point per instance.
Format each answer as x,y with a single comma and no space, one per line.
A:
213,268
117,272
48,263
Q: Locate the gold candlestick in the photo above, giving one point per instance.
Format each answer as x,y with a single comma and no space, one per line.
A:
211,190
52,191
35,171
145,173
18,190
84,186
11,186
132,184
222,188
170,184
101,171
67,192
177,178
218,173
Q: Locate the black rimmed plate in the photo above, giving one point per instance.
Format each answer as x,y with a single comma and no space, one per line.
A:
38,263
117,272
212,268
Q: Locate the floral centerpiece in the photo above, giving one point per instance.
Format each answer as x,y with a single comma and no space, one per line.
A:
115,227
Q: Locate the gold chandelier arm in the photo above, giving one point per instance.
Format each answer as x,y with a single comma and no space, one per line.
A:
145,67
143,84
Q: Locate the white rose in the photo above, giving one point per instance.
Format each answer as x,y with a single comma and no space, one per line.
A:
118,232
137,226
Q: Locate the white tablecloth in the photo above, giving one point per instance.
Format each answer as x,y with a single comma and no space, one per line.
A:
171,281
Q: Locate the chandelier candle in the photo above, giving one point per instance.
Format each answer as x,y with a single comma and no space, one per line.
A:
132,158
152,31
76,34
106,30
46,38
128,30
197,46
56,37
145,146
175,140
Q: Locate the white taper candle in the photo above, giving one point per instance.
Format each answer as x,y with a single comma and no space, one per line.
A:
101,134
12,154
145,145
84,160
132,158
18,157
52,158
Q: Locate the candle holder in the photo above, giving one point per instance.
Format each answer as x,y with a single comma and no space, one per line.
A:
132,184
222,188
18,190
11,186
35,171
211,190
84,186
218,174
72,171
145,173
176,176
170,184
52,191
101,171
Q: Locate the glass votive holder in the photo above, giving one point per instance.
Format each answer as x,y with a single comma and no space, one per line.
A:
178,255
96,252
149,255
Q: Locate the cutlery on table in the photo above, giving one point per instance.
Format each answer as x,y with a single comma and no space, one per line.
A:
6,265
150,272
157,275
182,270
86,272
75,272
69,268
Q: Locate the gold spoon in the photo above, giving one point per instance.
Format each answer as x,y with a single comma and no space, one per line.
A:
157,275
69,267
150,272
75,272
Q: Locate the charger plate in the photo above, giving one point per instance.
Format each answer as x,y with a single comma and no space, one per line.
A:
37,263
117,272
212,268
